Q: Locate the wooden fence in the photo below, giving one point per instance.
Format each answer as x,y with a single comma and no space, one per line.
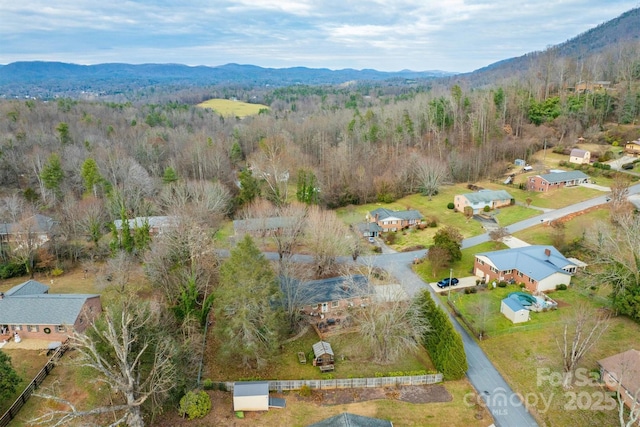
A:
34,384
286,385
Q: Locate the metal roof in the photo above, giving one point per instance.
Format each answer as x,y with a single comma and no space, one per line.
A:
513,304
530,260
250,388
153,221
43,309
322,347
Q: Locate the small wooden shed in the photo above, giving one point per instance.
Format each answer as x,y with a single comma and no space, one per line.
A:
322,354
514,311
251,396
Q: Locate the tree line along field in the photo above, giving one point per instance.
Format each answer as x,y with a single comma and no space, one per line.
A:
233,108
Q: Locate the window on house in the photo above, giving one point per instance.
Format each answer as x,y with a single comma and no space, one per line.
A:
16,327
61,328
32,328
520,274
335,304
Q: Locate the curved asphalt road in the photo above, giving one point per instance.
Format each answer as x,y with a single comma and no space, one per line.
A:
504,405
502,402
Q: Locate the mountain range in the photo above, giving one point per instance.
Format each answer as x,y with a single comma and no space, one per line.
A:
50,79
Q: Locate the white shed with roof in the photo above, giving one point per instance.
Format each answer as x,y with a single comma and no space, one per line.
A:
251,396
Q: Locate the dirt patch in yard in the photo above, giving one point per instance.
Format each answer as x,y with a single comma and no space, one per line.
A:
562,303
411,394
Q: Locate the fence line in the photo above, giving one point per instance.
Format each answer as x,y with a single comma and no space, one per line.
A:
39,378
286,385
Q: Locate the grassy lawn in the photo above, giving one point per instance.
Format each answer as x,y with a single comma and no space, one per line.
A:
351,361
26,363
513,214
461,268
575,228
518,351
227,107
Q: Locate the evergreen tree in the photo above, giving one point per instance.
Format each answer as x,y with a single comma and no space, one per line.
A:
52,174
91,177
249,187
9,379
249,318
170,176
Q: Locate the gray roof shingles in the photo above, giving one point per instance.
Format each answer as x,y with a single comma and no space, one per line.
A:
333,289
43,309
351,420
530,260
408,214
564,176
487,196
250,388
30,287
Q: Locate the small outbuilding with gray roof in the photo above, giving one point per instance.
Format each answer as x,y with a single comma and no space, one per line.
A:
513,310
539,267
477,201
251,396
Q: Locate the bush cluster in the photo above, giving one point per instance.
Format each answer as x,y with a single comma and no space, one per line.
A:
12,269
561,287
442,341
195,404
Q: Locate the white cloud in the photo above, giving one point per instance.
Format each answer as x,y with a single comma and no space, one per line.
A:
456,35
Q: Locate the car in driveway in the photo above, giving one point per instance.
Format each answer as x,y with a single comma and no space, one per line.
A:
444,283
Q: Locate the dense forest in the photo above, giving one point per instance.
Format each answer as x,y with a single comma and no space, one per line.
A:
90,160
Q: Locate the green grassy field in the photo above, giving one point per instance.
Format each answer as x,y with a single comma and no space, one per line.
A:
227,107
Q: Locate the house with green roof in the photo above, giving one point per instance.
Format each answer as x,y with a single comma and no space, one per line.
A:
478,200
554,180
31,311
389,220
539,267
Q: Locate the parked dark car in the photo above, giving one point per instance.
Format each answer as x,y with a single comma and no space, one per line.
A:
445,282
627,166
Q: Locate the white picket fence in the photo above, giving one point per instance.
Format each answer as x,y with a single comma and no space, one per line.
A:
286,385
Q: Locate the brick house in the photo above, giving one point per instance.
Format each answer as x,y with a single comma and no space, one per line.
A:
478,200
327,296
38,228
555,180
580,157
621,372
31,311
389,220
539,267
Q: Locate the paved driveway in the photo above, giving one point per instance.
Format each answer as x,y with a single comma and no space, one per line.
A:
465,282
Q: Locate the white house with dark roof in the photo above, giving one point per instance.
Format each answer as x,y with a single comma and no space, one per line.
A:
33,312
478,200
389,220
579,156
555,180
539,267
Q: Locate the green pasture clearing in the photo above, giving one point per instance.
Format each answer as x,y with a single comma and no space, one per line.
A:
228,107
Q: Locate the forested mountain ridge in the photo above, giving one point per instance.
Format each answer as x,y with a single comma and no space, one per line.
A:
609,41
55,79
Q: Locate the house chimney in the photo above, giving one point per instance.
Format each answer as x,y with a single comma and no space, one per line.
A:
547,252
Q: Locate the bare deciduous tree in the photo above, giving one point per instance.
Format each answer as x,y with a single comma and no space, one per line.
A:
579,334
498,235
431,173
130,353
391,328
326,238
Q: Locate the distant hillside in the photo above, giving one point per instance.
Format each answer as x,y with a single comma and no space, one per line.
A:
625,28
48,79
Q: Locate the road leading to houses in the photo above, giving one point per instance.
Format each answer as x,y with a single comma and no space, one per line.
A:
504,405
502,402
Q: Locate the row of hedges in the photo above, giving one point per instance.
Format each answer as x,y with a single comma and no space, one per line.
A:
442,341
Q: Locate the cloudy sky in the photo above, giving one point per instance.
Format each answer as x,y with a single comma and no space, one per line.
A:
387,35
